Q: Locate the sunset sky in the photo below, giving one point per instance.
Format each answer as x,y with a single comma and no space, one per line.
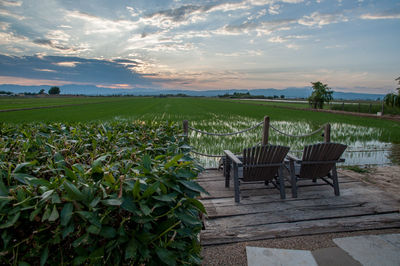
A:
353,45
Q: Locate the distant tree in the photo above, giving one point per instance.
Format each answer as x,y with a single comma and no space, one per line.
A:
41,91
392,99
321,94
54,90
282,96
276,97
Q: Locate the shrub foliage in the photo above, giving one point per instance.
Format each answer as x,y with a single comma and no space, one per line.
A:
112,193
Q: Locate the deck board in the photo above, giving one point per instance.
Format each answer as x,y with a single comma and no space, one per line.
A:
261,214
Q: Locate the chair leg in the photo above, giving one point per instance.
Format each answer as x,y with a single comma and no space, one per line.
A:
227,171
335,181
281,184
236,182
293,179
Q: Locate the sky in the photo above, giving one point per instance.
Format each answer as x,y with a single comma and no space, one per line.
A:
351,45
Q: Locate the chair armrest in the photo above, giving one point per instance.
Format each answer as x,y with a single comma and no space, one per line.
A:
293,158
233,157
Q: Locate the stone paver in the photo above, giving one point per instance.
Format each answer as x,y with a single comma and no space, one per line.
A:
279,257
371,250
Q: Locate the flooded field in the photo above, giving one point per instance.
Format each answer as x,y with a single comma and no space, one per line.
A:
363,145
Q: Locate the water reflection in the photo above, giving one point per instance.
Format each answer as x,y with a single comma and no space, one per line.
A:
363,145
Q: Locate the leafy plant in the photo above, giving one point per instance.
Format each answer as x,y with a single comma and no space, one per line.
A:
321,94
113,193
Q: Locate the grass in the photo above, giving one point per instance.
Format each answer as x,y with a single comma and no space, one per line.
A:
368,107
216,115
7,103
357,169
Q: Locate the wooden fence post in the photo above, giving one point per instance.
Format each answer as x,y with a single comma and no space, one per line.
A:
327,132
265,131
185,127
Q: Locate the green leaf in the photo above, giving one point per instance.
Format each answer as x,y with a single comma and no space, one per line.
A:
136,189
197,204
54,214
131,249
112,202
22,165
79,260
188,219
95,202
73,192
82,240
146,161
151,190
192,186
91,217
185,174
129,205
168,197
67,230
23,263
47,194
3,189
108,232
99,161
93,229
66,213
145,209
46,214
34,213
166,256
44,256
11,221
173,161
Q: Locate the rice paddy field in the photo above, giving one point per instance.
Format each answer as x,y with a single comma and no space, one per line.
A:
370,141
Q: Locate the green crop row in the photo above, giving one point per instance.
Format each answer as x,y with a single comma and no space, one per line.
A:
115,193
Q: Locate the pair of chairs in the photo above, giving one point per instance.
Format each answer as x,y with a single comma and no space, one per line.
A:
266,163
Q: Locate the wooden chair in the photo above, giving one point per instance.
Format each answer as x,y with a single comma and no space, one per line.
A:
260,163
319,160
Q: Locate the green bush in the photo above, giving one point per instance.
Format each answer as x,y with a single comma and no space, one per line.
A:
114,193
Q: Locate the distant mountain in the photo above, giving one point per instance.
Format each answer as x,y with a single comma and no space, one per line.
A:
93,90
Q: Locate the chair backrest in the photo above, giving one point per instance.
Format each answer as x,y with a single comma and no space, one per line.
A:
322,156
256,162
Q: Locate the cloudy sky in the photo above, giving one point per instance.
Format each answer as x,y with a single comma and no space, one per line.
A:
353,45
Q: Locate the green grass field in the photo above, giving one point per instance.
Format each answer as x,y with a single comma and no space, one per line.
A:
368,107
216,115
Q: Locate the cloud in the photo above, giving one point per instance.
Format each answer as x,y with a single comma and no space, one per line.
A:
98,25
274,9
385,15
260,28
57,46
73,69
7,13
317,19
10,3
66,64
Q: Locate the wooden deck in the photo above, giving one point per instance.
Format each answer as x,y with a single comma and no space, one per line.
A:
261,214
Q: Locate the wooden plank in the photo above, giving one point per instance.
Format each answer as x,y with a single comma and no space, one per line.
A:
260,189
295,214
277,230
294,206
359,191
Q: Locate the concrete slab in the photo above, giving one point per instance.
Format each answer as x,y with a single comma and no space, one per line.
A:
371,250
279,257
334,256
